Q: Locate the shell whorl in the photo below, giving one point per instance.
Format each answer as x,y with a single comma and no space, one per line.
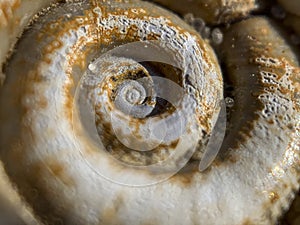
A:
91,82
215,12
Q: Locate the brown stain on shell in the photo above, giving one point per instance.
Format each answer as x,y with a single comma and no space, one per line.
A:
40,197
110,214
60,172
7,9
247,222
274,197
121,152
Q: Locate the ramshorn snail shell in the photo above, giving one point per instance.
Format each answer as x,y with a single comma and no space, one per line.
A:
107,108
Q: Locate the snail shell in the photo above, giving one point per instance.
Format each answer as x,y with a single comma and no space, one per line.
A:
15,16
214,12
66,58
291,6
77,54
266,79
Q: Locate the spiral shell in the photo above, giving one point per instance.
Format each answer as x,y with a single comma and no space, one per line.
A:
109,106
214,12
267,102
